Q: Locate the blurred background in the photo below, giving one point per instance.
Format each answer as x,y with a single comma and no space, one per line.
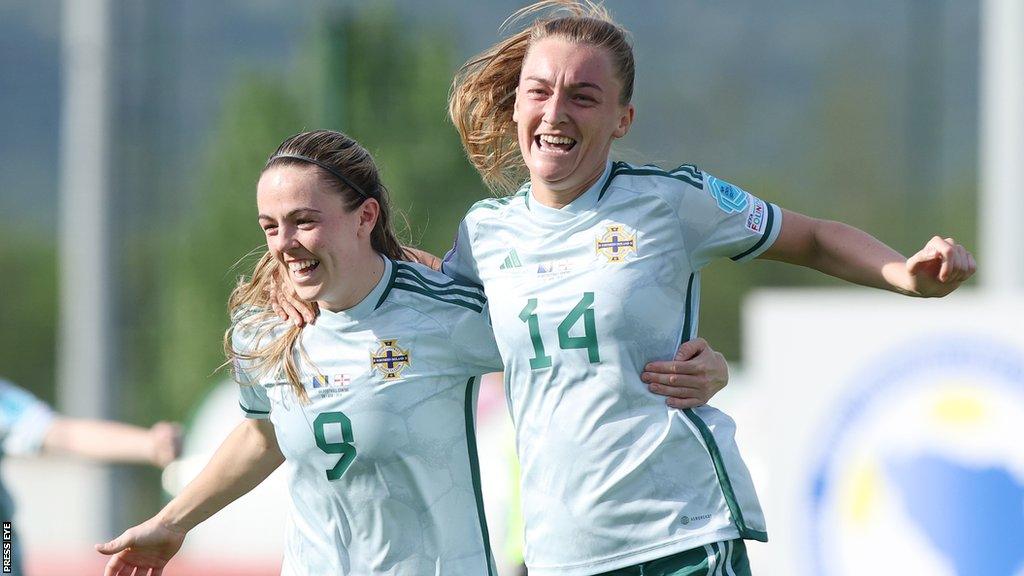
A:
135,132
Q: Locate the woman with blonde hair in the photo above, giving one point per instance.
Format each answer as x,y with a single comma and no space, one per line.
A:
372,408
592,269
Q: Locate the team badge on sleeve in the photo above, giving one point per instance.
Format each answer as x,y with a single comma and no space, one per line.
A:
730,198
389,359
616,243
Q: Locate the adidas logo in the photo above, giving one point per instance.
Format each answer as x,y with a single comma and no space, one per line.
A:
511,261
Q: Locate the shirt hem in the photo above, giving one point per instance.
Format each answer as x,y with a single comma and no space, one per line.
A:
638,556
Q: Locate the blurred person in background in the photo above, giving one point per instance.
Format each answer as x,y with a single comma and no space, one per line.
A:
603,259
28,427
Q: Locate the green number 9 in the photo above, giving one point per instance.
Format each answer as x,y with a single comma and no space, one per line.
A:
345,448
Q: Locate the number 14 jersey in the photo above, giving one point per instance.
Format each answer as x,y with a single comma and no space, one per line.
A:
581,299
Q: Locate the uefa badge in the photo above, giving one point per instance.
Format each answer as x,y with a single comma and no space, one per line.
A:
616,243
389,360
730,198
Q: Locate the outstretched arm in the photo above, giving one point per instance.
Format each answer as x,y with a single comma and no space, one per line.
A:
113,441
853,255
248,455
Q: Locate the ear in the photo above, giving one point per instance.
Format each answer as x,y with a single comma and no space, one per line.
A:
369,212
625,121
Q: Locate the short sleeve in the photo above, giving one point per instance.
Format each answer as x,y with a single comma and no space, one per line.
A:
724,221
253,400
459,263
474,340
252,396
24,420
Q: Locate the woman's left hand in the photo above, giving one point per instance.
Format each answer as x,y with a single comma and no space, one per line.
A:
939,268
690,379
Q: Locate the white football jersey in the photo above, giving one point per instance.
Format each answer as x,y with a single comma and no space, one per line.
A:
382,460
581,299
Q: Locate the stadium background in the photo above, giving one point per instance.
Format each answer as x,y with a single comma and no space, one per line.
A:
866,113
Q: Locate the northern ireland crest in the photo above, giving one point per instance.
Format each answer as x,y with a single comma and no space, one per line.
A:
616,243
390,359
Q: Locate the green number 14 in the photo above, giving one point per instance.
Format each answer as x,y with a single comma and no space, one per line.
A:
583,309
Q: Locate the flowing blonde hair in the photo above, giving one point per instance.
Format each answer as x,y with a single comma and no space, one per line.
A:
250,307
483,93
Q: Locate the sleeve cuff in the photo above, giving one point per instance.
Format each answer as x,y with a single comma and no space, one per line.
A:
254,414
771,233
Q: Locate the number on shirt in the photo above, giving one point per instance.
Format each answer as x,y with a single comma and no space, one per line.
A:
540,359
345,448
583,309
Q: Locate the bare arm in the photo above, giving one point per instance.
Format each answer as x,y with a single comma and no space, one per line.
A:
853,255
113,441
697,372
248,455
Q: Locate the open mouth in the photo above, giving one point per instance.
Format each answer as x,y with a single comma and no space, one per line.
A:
303,268
551,143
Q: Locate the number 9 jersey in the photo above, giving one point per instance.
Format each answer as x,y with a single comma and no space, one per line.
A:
382,461
581,299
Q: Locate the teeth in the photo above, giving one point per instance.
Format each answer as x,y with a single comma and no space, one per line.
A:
549,139
299,265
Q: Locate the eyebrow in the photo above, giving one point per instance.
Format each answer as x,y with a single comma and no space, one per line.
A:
290,214
577,85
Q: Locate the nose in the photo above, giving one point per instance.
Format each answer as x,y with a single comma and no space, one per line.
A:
555,110
283,240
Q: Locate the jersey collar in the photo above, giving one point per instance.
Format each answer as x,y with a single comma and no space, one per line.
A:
584,202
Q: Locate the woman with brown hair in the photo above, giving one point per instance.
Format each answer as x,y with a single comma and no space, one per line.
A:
592,269
372,408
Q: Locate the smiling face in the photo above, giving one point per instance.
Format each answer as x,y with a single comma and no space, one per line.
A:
325,247
567,113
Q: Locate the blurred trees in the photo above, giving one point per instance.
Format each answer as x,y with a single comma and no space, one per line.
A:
855,171
28,309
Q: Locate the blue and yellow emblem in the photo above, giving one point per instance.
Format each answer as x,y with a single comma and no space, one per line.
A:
616,243
389,359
